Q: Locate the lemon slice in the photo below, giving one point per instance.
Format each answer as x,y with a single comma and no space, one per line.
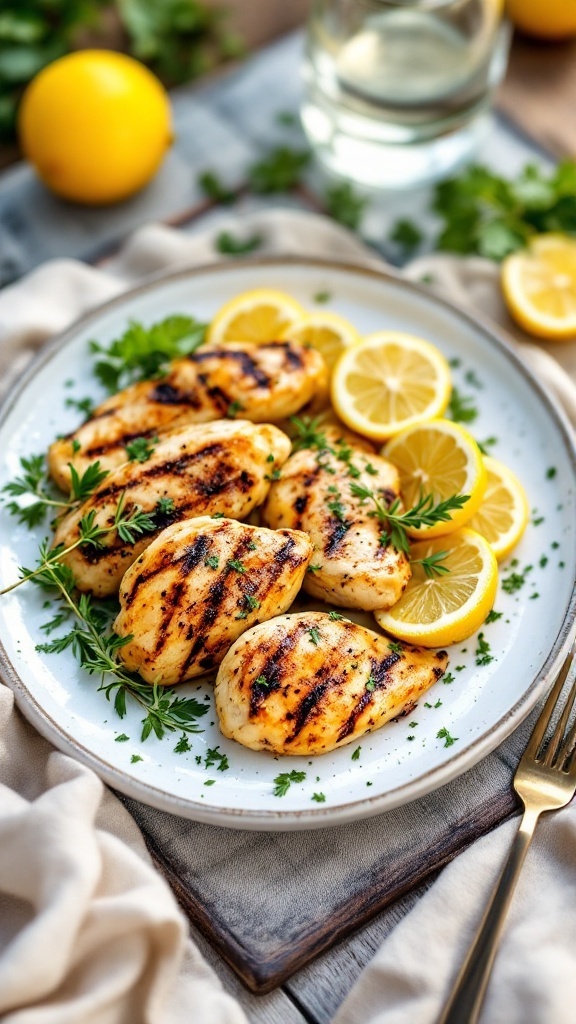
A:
442,459
327,332
504,511
539,285
258,316
445,609
389,381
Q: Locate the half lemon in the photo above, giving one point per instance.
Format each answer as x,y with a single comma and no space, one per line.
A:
257,316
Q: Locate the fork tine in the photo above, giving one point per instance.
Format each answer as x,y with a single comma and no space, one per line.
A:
558,734
548,709
566,751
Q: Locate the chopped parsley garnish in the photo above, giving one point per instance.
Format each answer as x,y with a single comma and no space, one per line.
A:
313,568
335,616
261,681
183,745
443,734
210,782
321,297
121,738
135,758
551,472
447,678
83,405
140,449
356,754
369,468
471,378
314,636
215,756
516,580
461,407
217,515
336,508
270,457
319,798
283,781
412,725
76,446
370,683
492,616
482,652
274,475
233,409
395,647
236,564
212,561
543,561
485,445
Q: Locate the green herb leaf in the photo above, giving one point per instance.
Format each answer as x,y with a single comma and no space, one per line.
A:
283,781
433,564
461,407
213,188
229,245
345,205
443,734
407,235
142,353
140,449
279,171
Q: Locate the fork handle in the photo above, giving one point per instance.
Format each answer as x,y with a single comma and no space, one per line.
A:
467,996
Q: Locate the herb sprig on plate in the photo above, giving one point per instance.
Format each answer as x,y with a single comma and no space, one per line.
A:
96,646
426,512
39,497
142,353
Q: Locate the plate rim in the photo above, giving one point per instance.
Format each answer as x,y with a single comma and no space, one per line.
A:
317,817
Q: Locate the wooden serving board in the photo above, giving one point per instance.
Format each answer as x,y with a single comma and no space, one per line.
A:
271,902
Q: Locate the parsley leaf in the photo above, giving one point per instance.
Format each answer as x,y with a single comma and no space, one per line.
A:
345,205
407,235
461,407
279,171
283,781
140,449
142,352
229,245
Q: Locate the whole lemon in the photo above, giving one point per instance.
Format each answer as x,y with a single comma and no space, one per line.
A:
552,19
96,125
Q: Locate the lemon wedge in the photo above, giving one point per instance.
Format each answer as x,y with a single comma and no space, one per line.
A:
258,316
389,381
437,610
539,285
442,459
503,514
327,332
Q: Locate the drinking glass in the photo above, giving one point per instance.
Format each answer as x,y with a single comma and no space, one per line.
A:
397,92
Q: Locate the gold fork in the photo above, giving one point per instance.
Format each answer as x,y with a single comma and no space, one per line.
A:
545,780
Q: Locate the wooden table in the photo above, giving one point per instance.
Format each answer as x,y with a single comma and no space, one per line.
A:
225,124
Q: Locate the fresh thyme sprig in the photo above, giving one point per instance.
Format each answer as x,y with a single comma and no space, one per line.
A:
33,485
433,564
96,648
308,433
425,513
129,526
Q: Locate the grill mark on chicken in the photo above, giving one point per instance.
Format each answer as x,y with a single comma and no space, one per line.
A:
275,667
191,557
247,365
213,602
221,398
336,532
168,394
379,675
300,503
310,702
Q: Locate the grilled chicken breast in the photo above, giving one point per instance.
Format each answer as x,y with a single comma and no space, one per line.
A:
222,467
260,382
198,587
350,567
306,683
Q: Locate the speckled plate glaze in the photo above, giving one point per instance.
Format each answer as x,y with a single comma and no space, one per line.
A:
479,705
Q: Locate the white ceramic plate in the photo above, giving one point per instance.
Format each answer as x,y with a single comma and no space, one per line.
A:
403,760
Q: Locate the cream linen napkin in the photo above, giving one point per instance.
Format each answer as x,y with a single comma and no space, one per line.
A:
88,931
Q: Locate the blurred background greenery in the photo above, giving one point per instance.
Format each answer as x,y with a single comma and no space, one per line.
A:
178,39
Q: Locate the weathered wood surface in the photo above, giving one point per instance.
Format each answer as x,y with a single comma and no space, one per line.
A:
271,902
